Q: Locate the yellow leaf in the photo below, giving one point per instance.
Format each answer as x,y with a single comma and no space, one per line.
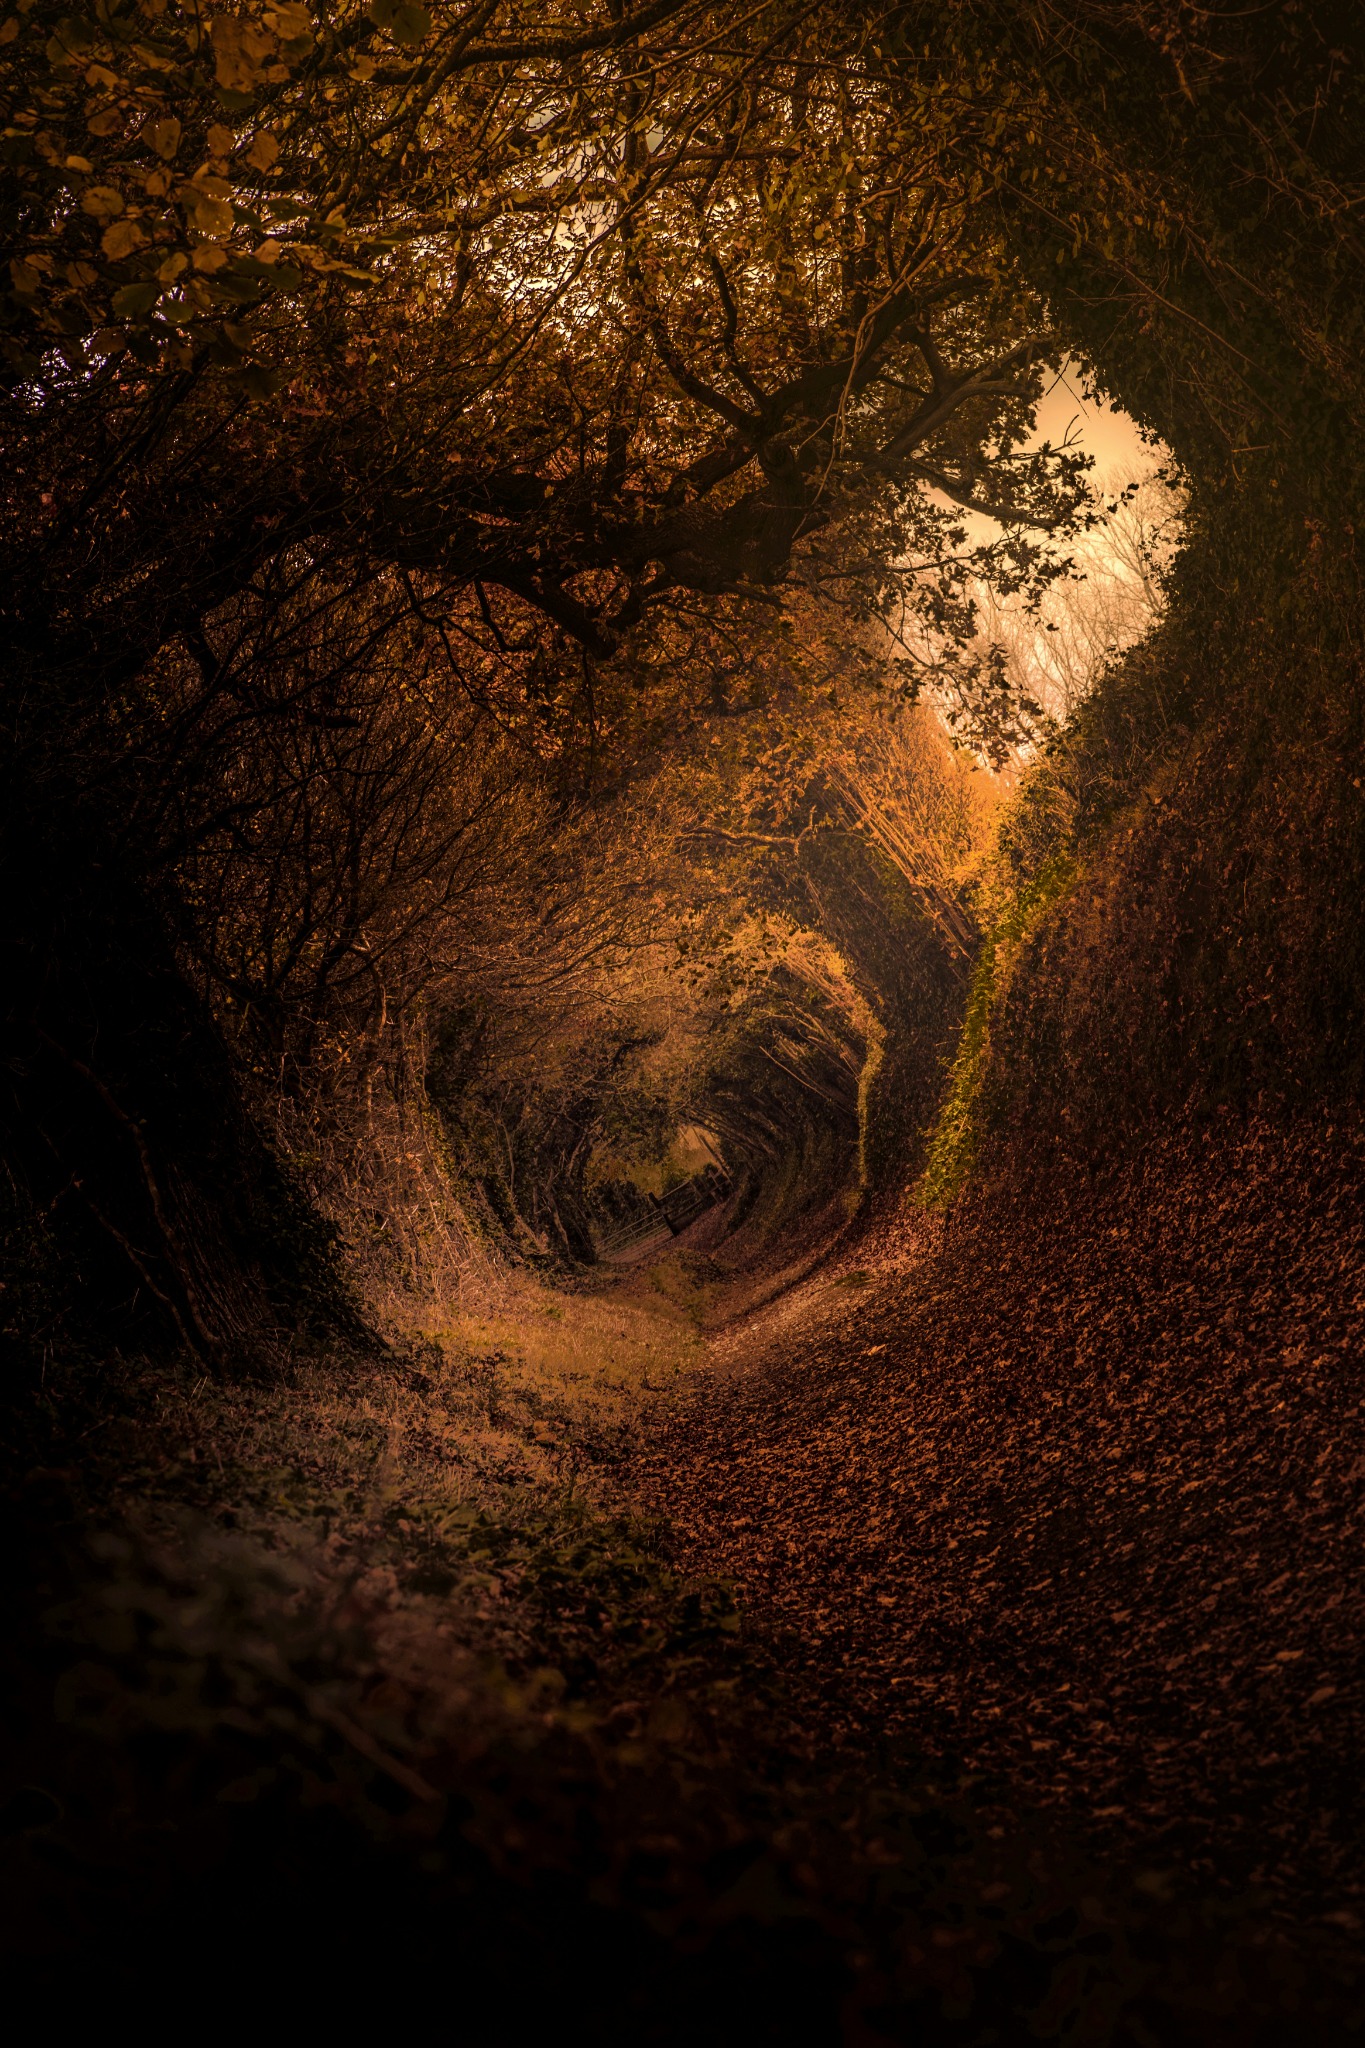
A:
264,151
220,140
172,267
79,163
239,53
121,239
105,122
163,136
23,276
410,23
81,275
268,252
212,217
9,29
318,259
289,21
103,201
207,258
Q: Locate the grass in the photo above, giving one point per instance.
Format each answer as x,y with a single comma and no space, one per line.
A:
473,1465
957,1134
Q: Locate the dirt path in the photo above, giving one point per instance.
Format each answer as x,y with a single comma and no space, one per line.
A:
1074,1492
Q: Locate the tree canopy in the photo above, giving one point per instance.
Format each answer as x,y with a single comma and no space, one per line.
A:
573,321
419,420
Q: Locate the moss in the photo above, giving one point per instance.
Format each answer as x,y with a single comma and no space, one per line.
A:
958,1130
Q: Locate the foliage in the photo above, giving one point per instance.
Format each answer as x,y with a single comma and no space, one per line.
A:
1189,191
490,481
789,341
1207,801
957,1130
421,411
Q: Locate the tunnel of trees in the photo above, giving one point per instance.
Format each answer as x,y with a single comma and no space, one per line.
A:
353,564
504,510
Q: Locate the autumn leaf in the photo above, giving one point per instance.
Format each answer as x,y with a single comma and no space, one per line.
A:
290,22
207,213
133,300
241,53
103,201
121,239
258,383
264,151
406,22
70,37
411,23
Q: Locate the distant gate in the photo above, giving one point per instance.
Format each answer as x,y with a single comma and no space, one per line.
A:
670,1213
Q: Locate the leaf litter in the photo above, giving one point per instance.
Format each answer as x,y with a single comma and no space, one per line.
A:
1071,1494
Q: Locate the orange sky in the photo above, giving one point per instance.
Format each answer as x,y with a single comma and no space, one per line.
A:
1111,437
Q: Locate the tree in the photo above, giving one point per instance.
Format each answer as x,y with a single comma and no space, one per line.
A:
557,352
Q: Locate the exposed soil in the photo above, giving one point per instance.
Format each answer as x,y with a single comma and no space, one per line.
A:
1072,1489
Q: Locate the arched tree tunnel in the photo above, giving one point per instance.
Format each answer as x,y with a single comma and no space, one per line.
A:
555,657
811,1052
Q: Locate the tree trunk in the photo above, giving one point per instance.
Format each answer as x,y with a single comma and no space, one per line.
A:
121,1114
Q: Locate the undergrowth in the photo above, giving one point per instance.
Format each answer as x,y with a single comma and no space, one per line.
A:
957,1131
1171,906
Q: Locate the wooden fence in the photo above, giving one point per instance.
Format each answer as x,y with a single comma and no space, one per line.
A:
671,1212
